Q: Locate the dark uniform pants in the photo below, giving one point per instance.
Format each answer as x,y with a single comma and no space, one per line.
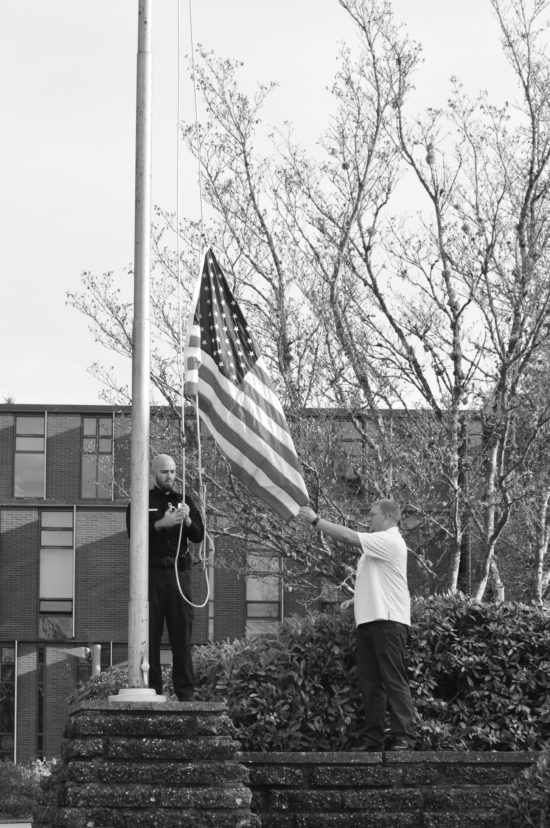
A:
383,681
165,602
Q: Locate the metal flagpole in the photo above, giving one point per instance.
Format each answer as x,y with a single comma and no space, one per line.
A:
138,612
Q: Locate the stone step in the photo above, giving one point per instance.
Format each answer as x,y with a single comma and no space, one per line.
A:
471,819
166,773
157,796
171,724
437,798
149,748
165,818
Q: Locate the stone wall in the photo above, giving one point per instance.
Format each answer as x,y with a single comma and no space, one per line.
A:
156,765
381,790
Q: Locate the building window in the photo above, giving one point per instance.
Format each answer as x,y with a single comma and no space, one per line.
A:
40,677
262,594
56,574
97,458
7,703
30,456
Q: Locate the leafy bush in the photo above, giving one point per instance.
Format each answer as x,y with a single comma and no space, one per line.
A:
20,790
527,801
479,676
483,671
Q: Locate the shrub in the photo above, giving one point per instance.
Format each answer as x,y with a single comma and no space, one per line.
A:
527,801
482,670
20,790
478,673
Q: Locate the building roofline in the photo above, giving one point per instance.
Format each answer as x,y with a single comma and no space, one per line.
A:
101,408
64,408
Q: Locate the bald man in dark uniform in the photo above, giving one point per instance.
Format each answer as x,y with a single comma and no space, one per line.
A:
170,514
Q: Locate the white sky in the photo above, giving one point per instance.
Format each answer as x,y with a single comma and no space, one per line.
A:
67,98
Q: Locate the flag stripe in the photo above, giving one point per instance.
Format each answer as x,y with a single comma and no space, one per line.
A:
277,497
246,410
253,448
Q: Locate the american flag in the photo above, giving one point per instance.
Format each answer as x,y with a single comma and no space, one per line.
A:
235,397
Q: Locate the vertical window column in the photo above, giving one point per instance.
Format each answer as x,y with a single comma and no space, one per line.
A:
263,606
7,703
97,458
40,679
56,574
30,456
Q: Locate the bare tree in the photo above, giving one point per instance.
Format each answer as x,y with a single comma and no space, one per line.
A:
423,329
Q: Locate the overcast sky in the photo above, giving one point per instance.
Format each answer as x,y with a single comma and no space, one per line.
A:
67,88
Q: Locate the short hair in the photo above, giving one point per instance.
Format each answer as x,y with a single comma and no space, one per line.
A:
390,509
160,460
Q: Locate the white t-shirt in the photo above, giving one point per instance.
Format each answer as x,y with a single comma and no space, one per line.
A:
381,591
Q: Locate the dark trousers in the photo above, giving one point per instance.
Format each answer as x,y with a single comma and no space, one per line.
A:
165,602
382,674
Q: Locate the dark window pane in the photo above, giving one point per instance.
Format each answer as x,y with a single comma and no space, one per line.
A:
105,444
29,444
105,426
89,444
6,707
7,672
7,655
89,426
55,606
105,477
29,475
29,425
55,626
57,519
89,475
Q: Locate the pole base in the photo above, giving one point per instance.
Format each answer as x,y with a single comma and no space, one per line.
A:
128,695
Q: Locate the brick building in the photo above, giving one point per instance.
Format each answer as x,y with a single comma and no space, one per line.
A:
64,563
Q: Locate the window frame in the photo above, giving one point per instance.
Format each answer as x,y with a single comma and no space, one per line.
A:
44,613
96,455
19,453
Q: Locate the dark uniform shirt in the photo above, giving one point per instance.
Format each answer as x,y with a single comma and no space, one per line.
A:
163,543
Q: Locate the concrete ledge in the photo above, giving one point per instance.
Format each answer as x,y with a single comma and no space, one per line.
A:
440,757
138,707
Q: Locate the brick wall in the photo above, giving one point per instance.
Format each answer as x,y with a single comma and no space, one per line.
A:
120,653
19,572
7,446
102,566
27,702
200,617
230,605
63,457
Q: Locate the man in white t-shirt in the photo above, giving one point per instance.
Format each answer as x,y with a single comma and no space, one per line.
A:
382,609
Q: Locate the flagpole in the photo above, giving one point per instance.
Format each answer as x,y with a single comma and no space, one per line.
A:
138,611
